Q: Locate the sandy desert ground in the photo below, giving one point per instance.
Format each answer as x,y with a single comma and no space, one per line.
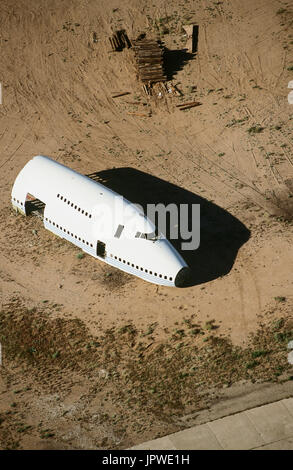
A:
92,357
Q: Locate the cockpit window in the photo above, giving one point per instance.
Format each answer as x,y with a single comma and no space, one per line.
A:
119,231
153,236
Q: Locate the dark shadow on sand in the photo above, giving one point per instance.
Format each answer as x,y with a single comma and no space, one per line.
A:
221,233
174,60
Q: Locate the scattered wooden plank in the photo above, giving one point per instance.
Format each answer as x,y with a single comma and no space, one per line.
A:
146,89
188,106
121,94
192,33
190,103
119,40
172,89
125,39
149,63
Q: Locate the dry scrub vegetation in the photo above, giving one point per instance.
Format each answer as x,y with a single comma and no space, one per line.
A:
131,386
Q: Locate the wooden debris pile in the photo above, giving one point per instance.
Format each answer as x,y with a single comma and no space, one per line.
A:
119,40
161,89
172,89
149,60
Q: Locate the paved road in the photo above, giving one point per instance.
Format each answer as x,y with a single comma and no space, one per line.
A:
264,427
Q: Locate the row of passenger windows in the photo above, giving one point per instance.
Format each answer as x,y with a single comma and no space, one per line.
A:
141,269
82,211
69,233
91,245
19,202
112,256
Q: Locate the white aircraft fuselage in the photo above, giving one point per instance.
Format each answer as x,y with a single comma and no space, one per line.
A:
99,221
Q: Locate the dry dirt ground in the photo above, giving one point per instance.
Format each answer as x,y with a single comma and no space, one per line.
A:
92,357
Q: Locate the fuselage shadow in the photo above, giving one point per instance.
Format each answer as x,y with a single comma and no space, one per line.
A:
221,234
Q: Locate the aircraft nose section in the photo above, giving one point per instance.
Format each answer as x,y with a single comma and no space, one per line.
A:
183,277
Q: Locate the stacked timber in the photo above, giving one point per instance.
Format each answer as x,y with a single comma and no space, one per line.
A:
119,40
149,60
